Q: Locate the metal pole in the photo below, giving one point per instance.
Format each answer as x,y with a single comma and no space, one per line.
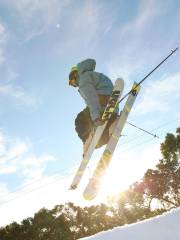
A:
172,52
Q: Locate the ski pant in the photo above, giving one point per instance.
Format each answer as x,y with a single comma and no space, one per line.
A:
84,124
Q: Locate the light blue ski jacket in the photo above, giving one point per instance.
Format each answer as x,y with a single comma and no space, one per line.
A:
91,84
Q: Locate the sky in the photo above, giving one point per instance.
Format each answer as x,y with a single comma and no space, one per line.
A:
39,43
158,228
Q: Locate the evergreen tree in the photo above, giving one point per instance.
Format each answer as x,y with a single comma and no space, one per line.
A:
163,182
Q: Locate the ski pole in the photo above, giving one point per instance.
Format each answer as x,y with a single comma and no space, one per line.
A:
172,52
154,135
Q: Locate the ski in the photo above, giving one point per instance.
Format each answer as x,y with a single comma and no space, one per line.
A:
93,186
110,108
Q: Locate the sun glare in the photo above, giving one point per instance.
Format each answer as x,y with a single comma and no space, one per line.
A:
122,172
127,168
113,182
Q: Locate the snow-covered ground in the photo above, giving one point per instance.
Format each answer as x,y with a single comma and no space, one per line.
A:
164,227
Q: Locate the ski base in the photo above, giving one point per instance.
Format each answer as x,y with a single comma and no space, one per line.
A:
94,184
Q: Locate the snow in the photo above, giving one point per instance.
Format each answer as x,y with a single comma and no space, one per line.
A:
164,227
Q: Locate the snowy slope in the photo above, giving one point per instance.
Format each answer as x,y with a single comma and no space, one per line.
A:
164,227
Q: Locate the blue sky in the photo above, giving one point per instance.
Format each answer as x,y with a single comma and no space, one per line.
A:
39,42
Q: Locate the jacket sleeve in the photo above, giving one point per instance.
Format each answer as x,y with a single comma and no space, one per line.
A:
89,93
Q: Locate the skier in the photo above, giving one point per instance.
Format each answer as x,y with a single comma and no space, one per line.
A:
95,88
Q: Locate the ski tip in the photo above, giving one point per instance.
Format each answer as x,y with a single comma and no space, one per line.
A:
120,82
73,187
120,79
91,190
88,196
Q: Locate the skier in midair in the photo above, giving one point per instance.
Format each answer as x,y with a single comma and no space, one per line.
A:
95,88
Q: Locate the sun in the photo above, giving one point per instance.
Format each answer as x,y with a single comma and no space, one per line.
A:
112,183
118,177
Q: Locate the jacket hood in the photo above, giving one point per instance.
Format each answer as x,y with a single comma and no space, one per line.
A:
86,65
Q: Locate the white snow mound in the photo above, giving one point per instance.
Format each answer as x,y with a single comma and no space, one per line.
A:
164,227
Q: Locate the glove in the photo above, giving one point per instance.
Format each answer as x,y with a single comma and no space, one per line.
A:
98,122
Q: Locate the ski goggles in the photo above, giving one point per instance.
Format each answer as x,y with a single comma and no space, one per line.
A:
73,78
